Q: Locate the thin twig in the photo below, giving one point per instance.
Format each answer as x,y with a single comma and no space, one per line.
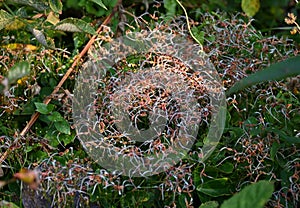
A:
36,115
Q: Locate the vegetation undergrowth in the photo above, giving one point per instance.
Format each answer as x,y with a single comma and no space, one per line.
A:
256,162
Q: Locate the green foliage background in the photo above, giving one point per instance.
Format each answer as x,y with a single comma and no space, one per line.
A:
260,145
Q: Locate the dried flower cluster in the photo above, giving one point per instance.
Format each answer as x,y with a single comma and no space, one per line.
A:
291,20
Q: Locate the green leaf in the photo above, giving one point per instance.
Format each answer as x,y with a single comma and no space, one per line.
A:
284,137
39,5
5,18
215,188
43,108
67,139
99,2
55,117
75,25
274,149
226,168
52,138
254,195
170,6
18,71
277,71
199,35
56,6
250,7
210,204
63,127
181,200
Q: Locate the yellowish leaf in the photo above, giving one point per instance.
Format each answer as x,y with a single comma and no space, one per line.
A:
52,18
15,25
250,7
30,177
20,46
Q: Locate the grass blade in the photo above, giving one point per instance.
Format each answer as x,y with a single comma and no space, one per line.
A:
277,71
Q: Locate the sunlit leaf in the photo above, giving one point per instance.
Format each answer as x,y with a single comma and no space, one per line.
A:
18,71
254,195
250,7
5,18
52,18
56,6
99,2
14,25
278,71
20,46
75,25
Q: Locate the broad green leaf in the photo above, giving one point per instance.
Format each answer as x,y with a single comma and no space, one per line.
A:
250,7
43,108
5,18
56,6
55,117
284,137
210,204
63,126
75,25
227,167
277,71
99,2
215,188
254,195
18,71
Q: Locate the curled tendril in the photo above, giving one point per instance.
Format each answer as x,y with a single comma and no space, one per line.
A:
142,98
